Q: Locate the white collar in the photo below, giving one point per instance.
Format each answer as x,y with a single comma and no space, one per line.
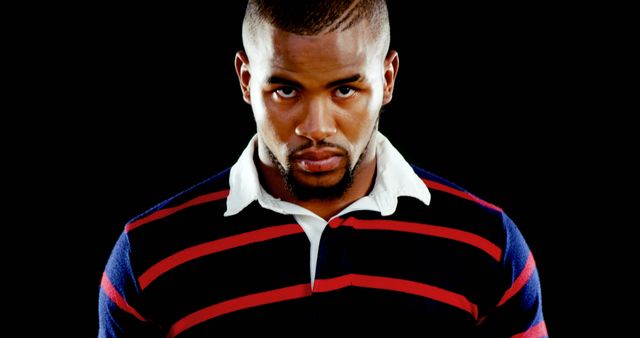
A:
394,178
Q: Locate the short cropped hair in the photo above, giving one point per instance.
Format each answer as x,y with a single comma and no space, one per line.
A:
315,17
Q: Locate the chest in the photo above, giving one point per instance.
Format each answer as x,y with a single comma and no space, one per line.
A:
362,277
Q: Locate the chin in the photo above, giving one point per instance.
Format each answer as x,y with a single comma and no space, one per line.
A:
323,186
319,180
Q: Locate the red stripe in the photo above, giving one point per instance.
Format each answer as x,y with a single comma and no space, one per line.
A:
245,302
323,285
117,298
429,230
399,285
212,247
537,331
459,193
522,279
214,196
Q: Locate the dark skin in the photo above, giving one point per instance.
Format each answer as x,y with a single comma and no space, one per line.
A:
316,102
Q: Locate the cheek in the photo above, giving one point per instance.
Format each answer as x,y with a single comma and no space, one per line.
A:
278,118
357,120
263,112
357,126
272,124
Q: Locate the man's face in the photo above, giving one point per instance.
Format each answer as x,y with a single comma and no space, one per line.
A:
316,102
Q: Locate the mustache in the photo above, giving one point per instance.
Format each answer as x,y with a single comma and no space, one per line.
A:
320,144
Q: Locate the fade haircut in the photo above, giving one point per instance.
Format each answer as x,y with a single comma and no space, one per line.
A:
316,17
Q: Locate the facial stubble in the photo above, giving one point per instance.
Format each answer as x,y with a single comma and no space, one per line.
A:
306,192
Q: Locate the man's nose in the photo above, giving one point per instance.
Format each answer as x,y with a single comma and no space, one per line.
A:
318,122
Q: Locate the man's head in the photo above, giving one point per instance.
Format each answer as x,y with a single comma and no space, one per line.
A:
316,74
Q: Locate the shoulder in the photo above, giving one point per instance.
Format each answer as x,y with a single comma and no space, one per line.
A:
176,223
213,191
442,187
457,215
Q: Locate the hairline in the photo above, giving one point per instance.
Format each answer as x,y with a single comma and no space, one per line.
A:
380,34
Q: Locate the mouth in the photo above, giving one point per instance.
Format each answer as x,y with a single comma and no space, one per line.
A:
318,160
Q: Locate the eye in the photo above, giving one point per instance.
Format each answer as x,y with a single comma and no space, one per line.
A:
286,92
345,91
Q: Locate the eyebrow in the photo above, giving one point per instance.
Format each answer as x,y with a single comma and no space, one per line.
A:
282,81
352,78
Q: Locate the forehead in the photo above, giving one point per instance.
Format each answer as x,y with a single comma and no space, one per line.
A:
350,49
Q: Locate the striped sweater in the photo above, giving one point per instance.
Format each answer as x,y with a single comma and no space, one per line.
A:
457,268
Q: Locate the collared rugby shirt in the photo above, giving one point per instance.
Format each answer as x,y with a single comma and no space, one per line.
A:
458,267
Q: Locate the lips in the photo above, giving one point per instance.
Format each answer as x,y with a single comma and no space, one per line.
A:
318,160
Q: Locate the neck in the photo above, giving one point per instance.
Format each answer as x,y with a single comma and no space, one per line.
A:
326,208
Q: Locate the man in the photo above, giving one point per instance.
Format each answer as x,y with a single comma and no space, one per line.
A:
321,222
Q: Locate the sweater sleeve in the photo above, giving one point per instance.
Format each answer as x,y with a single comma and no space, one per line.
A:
518,313
119,300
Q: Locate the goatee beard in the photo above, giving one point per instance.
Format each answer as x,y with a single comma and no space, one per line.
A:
304,192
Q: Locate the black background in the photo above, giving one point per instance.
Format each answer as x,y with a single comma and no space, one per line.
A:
490,98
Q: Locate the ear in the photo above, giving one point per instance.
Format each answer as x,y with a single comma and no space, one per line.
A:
391,63
244,74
